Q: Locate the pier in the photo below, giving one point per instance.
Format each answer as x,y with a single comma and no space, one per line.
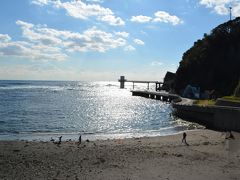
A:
163,96
122,80
157,95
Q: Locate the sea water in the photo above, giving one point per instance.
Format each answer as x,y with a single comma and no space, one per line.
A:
39,110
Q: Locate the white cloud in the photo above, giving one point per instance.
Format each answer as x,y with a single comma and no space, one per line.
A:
141,19
112,20
221,10
27,50
236,9
95,1
144,33
221,7
122,34
39,34
32,51
4,38
41,2
95,40
156,63
211,3
41,42
159,16
162,16
80,10
129,48
138,42
90,40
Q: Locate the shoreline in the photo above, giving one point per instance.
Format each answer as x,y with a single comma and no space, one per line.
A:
162,157
38,136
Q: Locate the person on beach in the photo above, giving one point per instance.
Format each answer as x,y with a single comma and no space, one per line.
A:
80,139
184,139
60,140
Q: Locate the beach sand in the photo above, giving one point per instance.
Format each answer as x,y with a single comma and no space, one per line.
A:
166,157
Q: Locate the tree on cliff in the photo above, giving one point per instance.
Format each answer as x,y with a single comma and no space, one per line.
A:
213,63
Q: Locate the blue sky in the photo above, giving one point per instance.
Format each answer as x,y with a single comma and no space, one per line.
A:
102,39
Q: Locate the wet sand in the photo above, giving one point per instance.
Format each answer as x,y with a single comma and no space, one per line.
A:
166,157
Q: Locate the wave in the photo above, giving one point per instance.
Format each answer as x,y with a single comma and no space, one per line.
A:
36,87
111,85
5,132
31,87
14,83
46,87
54,86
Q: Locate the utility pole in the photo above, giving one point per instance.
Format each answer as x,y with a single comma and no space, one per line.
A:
230,11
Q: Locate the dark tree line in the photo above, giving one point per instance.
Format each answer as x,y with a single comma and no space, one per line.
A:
212,63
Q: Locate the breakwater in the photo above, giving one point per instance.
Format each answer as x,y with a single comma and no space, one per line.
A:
221,118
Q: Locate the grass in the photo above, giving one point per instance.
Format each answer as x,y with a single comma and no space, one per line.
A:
205,102
232,98
212,102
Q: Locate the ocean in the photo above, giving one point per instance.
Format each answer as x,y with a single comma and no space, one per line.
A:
40,110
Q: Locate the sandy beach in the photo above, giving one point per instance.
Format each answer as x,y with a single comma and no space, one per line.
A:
206,157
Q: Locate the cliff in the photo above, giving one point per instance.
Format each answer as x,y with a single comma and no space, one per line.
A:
213,62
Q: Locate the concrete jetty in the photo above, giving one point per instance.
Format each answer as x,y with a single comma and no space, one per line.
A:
222,118
156,95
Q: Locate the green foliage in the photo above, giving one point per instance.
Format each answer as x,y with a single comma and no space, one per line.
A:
213,62
205,102
232,98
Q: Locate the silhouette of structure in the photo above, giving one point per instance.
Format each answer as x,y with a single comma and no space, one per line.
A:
122,81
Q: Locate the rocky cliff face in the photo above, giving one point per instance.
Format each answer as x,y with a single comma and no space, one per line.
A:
213,62
168,81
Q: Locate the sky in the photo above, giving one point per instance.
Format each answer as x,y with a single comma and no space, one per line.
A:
100,40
